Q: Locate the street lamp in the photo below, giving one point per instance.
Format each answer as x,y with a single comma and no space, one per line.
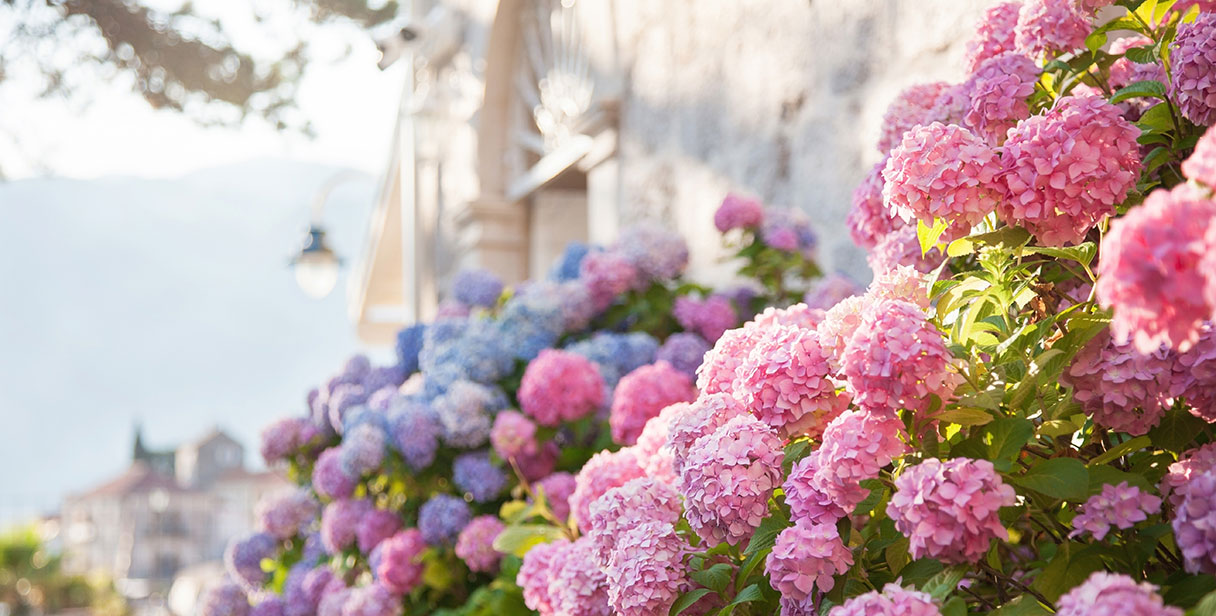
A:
316,266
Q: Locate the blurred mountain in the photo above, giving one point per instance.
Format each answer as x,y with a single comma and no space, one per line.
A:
167,301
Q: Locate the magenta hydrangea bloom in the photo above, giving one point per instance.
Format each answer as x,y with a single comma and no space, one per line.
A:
701,418
534,574
1050,28
642,394
728,478
475,545
785,382
1149,271
1120,506
329,479
894,600
807,556
646,571
998,92
560,386
1113,594
897,358
709,317
513,434
913,107
1195,523
223,599
738,212
376,526
994,34
340,521
604,471
1193,60
950,510
1201,164
869,220
1066,169
607,275
558,489
654,454
638,500
577,587
283,437
828,291
717,371
371,600
287,513
1120,387
942,171
400,567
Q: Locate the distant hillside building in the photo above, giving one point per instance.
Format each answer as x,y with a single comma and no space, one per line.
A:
168,511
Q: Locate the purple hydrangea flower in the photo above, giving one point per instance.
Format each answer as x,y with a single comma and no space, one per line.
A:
414,429
339,522
409,344
225,599
243,558
376,526
684,351
657,254
329,479
285,514
476,474
464,414
363,449
477,287
442,518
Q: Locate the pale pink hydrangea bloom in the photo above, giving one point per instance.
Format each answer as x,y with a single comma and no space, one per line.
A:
534,574
604,471
1201,165
901,247
642,394
1149,271
1183,6
1113,594
994,34
913,107
1195,523
654,454
901,282
952,104
376,526
577,587
1066,169
717,372
785,382
941,171
728,478
894,600
738,212
638,500
1193,60
1050,28
897,358
646,571
855,447
286,513
807,494
999,89
1120,387
513,435
838,326
475,545
560,386
1192,463
701,418
869,220
709,317
807,556
558,488
950,510
1120,506
798,315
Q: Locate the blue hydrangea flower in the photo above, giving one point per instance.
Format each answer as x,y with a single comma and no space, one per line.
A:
531,321
474,473
341,399
464,413
469,349
415,431
442,518
684,351
409,344
477,287
657,254
638,349
384,376
567,266
363,448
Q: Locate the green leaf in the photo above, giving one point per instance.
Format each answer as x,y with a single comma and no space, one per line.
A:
1140,89
750,564
715,578
919,571
747,595
687,599
1177,429
1062,478
1071,565
1140,442
955,607
1141,55
1024,605
1081,253
1190,591
1005,437
965,417
930,236
1102,475
1206,606
1156,120
943,583
520,538
766,534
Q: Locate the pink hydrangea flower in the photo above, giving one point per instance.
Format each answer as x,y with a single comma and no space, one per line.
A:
738,212
717,372
798,315
952,104
558,488
646,571
1120,506
1124,72
475,545
827,292
1066,169
1114,594
372,600
1050,28
642,394
807,494
1195,523
894,600
701,418
950,510
785,382
994,34
281,438
1120,387
654,454
901,282
534,575
855,447
287,513
1192,463
998,92
1201,165
638,500
869,220
838,326
607,275
1149,270
709,317
577,587
901,247
400,565
560,386
1193,60
513,435
376,526
1183,6
941,171
807,556
913,107
329,479
340,521
896,359
604,471
728,478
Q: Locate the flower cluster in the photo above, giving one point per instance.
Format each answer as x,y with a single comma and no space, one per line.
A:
1120,387
1120,506
1193,60
684,351
560,386
998,89
1051,27
738,212
477,287
914,106
994,34
475,545
869,220
894,600
1111,593
709,317
1201,165
785,381
807,556
642,394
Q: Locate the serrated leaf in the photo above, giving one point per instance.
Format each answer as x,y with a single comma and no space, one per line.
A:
1070,566
1177,429
686,600
1005,437
955,607
944,582
747,595
919,571
965,417
715,578
1062,478
766,534
1139,89
1206,606
1102,475
1190,590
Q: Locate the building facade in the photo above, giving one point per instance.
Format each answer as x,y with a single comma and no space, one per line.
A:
526,124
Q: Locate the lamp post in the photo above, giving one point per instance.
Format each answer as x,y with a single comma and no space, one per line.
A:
316,265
